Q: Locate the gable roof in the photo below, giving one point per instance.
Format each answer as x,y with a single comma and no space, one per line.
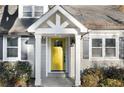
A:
51,12
98,17
91,16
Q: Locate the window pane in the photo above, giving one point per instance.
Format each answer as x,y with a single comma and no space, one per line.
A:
1,47
97,42
38,8
85,49
38,11
12,52
27,8
24,41
110,52
38,14
12,41
110,42
97,52
27,14
27,11
58,43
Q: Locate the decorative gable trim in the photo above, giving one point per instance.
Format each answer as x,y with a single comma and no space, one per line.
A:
34,26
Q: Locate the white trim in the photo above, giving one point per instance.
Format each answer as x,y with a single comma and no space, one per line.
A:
103,36
65,24
90,46
77,60
117,47
103,47
53,31
47,57
34,26
69,57
51,24
58,20
4,48
49,63
5,58
38,60
19,48
105,31
45,9
20,13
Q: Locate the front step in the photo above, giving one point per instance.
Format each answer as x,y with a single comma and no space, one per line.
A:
57,82
57,74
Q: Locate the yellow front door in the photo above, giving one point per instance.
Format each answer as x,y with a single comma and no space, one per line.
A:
57,54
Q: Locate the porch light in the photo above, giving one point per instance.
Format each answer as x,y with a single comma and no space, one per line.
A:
72,41
43,40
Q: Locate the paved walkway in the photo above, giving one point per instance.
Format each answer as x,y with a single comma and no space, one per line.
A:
57,82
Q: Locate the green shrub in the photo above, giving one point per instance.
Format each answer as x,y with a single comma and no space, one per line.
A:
89,80
114,73
111,83
10,72
3,82
95,77
23,70
91,77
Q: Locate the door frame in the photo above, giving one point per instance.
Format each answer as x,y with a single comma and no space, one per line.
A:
49,57
64,52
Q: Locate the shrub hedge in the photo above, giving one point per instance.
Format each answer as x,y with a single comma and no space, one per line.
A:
12,72
102,77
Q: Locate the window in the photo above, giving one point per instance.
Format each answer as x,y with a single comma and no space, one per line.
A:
104,47
1,47
97,47
27,11
110,48
32,11
38,11
12,47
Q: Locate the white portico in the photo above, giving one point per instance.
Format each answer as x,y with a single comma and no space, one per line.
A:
56,24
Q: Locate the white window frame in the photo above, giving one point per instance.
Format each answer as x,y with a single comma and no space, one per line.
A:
110,47
104,37
5,58
45,9
98,47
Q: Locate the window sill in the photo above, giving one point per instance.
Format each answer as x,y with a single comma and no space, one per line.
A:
104,58
30,17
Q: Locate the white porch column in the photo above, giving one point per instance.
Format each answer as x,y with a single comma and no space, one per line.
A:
77,60
38,81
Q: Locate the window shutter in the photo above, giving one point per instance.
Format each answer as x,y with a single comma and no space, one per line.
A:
121,47
1,47
85,48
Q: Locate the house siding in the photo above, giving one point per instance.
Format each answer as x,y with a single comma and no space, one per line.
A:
103,61
85,63
20,26
31,53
